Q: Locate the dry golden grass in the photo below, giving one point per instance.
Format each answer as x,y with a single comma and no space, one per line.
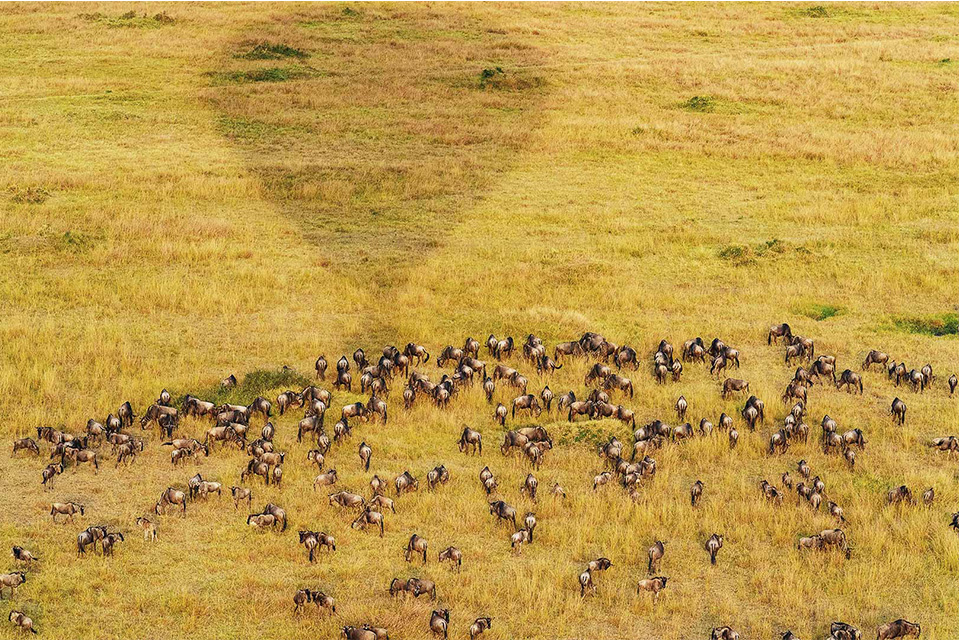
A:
175,210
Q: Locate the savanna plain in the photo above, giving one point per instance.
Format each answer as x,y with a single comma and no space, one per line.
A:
196,190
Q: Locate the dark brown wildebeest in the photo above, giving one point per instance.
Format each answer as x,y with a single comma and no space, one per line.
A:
900,494
696,491
439,622
173,497
854,437
27,444
836,538
712,546
405,482
503,512
567,349
470,438
794,390
898,409
875,356
733,438
850,379
416,546
529,486
51,471
732,385
479,626
526,402
453,555
23,556
437,476
500,414
840,630
725,632
598,372
899,629
779,331
952,382
626,355
368,516
778,442
22,621
654,555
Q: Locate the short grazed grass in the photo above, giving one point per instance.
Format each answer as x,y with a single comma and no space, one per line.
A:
183,198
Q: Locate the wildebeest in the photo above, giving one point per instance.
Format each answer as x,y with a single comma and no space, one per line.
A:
452,554
470,438
898,409
732,385
851,380
503,512
952,382
70,509
27,444
874,356
148,527
174,497
368,516
653,585
655,554
439,621
900,494
696,491
724,632
779,331
681,408
479,626
840,630
899,629
23,556
713,545
405,482
22,621
346,499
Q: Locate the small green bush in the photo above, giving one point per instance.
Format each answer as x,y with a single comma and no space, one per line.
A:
702,104
268,51
935,325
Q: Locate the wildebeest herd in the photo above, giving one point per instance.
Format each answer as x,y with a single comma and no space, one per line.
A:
607,367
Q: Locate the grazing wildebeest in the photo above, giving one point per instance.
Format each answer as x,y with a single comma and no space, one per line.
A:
734,385
470,438
453,555
526,402
928,496
22,621
779,331
696,491
654,554
899,629
874,356
713,545
405,482
900,494
724,632
850,379
840,630
681,408
479,626
174,497
503,512
439,621
368,516
27,444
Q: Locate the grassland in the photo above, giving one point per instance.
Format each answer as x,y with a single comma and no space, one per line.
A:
195,190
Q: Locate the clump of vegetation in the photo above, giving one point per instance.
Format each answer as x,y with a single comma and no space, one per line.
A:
934,325
702,104
269,74
74,241
270,51
253,384
28,195
489,74
746,254
819,311
130,19
818,11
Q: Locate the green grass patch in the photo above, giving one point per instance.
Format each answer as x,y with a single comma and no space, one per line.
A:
497,78
934,325
273,51
268,74
819,311
28,195
252,384
75,242
700,104
816,11
769,249
130,19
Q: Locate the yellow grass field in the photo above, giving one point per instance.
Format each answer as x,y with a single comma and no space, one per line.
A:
193,190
